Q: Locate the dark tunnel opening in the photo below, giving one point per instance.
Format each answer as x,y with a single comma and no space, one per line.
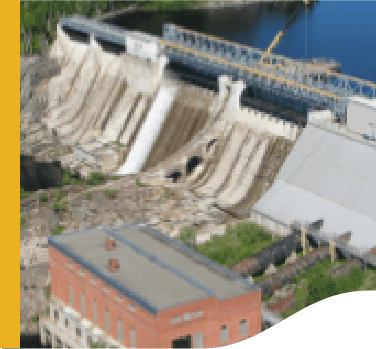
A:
175,175
192,163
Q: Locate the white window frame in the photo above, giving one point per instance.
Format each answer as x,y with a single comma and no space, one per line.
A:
224,334
107,320
71,295
133,338
199,337
243,328
83,304
95,312
120,330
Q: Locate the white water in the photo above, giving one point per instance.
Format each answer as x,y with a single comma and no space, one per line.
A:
149,131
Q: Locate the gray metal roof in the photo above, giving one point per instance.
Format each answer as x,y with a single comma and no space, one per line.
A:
331,176
155,270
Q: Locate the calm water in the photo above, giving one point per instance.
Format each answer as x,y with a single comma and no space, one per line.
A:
343,30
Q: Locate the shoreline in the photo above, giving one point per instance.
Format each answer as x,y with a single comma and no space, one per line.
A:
202,5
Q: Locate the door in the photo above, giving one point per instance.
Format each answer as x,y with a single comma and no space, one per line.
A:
182,343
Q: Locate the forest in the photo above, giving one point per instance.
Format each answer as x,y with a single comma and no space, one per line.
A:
38,19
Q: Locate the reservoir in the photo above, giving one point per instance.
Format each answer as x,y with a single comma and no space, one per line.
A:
342,30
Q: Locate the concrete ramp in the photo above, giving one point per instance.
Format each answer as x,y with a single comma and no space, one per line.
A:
149,131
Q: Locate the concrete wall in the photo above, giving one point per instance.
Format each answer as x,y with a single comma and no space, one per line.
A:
360,113
265,122
270,224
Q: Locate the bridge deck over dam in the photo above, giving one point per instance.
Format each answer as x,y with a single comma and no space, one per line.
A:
311,84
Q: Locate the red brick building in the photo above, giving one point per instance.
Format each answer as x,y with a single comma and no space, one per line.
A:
135,287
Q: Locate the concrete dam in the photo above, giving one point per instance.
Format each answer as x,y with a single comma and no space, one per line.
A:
120,112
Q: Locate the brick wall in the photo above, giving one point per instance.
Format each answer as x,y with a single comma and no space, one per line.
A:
153,331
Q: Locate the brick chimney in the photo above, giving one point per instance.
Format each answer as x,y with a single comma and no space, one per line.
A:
110,243
113,264
373,251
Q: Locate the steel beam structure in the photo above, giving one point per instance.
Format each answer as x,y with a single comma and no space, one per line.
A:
100,30
303,81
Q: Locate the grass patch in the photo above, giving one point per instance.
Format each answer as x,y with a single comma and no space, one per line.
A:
320,285
110,194
58,230
25,194
97,345
237,244
138,183
35,318
59,194
89,196
48,292
44,197
23,217
188,236
59,206
119,144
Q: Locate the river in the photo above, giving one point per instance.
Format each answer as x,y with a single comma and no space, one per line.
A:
343,30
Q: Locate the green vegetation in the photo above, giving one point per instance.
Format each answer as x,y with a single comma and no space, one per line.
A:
38,19
139,184
119,144
60,206
318,285
111,194
44,198
187,236
237,244
95,178
35,318
25,194
97,345
58,230
48,292
89,196
59,193
23,220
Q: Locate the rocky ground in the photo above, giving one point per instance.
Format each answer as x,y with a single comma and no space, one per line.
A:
161,203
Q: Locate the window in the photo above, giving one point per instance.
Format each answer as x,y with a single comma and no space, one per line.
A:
198,314
199,340
120,330
93,282
78,331
95,314
119,299
66,323
175,320
187,317
224,334
131,307
133,338
83,303
71,295
56,315
243,328
81,273
107,320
